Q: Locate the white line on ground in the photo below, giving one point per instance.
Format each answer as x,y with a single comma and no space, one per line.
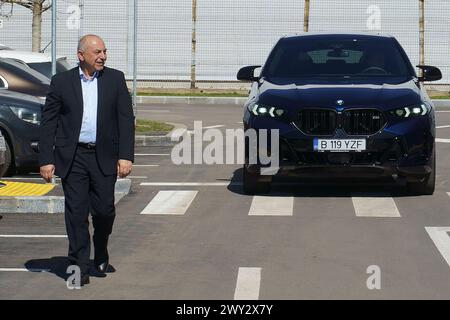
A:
366,206
190,184
441,238
216,126
442,140
271,206
153,111
152,154
443,111
23,270
172,202
138,177
248,284
145,165
32,236
440,127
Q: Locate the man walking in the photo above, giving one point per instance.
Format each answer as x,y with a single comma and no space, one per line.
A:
87,139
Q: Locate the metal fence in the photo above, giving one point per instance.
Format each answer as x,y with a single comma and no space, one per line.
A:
228,34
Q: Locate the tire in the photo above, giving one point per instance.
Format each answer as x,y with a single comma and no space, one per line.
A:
254,183
8,168
427,186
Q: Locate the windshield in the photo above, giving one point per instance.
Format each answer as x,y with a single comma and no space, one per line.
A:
347,59
46,67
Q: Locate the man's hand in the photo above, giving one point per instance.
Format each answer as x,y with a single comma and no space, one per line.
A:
47,172
123,168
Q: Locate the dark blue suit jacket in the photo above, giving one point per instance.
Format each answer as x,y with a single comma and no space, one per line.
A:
62,116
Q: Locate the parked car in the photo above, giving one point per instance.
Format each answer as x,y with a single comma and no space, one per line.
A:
20,116
17,76
2,154
346,106
41,62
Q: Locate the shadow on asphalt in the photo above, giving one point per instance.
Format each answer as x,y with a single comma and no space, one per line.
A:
288,186
58,266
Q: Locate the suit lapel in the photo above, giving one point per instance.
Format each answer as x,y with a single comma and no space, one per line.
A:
77,87
100,98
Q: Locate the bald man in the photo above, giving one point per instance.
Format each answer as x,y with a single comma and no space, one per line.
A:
87,139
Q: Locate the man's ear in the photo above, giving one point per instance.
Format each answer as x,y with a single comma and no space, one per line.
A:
80,55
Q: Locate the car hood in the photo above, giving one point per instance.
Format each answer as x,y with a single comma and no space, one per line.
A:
12,98
383,96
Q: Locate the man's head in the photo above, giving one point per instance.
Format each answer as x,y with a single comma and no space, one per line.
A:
91,53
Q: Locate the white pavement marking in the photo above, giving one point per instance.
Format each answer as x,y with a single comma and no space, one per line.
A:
441,238
443,111
190,184
154,111
440,127
138,177
32,236
442,140
216,126
170,202
23,270
152,154
248,284
271,206
145,165
374,206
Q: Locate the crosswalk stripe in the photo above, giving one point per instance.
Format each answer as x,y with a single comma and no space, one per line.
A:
171,202
374,206
441,238
271,206
248,284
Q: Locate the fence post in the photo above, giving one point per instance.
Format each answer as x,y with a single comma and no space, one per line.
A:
421,34
194,40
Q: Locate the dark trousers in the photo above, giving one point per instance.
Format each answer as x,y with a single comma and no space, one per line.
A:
87,189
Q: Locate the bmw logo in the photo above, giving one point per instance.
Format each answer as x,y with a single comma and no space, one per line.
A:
340,102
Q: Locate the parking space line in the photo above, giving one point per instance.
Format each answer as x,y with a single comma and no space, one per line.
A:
441,239
152,154
440,127
145,165
442,140
271,206
23,270
190,184
383,207
248,284
32,236
170,202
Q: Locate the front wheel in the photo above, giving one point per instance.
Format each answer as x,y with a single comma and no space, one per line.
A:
8,167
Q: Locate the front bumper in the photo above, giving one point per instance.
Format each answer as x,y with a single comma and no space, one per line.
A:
400,151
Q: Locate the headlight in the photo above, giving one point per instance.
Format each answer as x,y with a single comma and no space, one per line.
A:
411,111
27,115
263,110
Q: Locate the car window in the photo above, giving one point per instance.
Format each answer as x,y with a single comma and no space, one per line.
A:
45,68
24,71
342,58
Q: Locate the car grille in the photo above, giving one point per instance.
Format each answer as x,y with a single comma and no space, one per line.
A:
363,121
317,121
353,122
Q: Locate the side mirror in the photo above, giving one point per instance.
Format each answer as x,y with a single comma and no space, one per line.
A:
430,73
247,73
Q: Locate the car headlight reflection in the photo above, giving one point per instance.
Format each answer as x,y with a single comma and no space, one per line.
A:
411,111
263,110
27,115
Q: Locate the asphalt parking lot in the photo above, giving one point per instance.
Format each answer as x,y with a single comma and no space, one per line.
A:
189,232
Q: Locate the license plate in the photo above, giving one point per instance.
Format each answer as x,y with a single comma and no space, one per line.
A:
339,144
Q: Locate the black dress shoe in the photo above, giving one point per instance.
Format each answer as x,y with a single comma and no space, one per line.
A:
84,279
102,267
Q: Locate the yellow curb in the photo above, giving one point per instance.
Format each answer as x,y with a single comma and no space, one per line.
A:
12,189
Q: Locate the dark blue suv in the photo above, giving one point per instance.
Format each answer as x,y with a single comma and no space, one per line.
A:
345,106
